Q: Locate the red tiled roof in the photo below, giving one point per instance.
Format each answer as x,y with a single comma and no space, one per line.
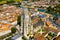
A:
36,19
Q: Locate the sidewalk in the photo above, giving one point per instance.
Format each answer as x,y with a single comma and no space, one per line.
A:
4,32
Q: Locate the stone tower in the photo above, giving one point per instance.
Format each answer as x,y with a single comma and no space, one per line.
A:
25,28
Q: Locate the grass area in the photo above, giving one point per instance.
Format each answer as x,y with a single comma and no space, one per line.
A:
18,0
5,1
2,2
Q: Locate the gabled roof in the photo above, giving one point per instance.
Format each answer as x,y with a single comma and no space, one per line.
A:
35,20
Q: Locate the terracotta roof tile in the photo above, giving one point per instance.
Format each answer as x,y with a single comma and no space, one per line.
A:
36,19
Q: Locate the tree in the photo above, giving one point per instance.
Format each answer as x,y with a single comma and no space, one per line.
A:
54,11
24,38
0,0
19,20
18,5
10,1
49,8
13,30
57,8
18,0
52,0
59,0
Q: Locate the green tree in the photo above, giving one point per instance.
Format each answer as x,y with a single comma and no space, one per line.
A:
13,30
19,20
24,38
10,1
49,9
0,0
54,11
57,8
52,0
